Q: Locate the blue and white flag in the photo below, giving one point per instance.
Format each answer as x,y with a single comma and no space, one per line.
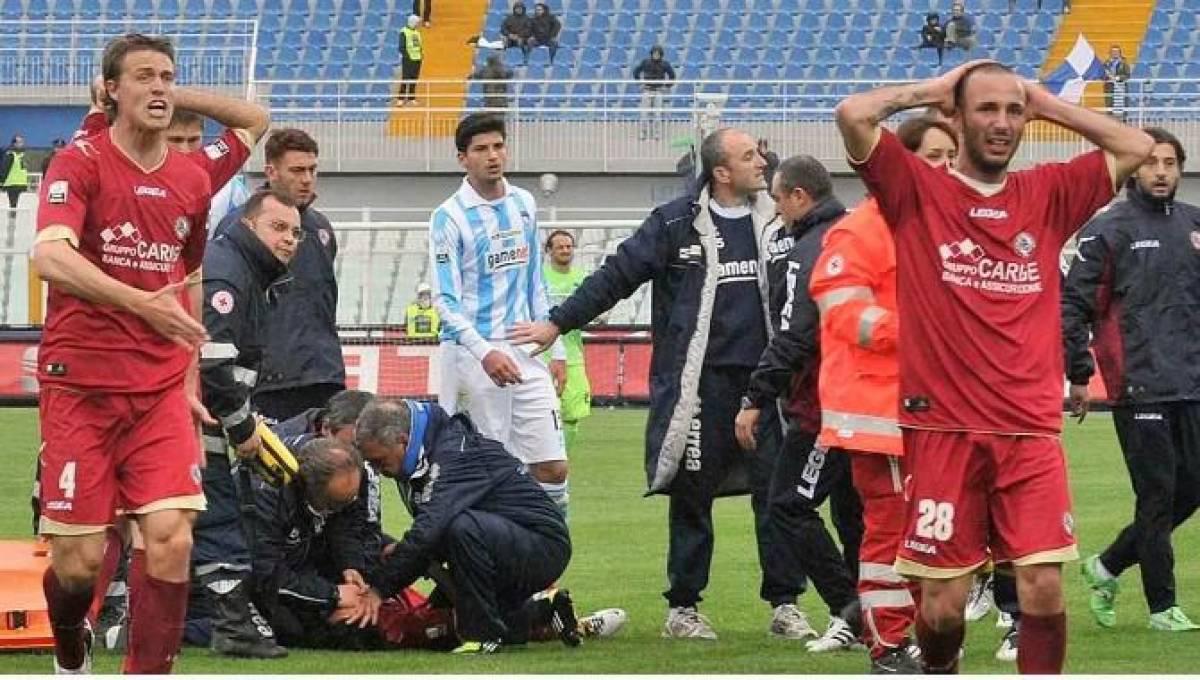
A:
1082,64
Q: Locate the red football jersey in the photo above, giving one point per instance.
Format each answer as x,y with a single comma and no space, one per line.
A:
222,159
979,286
145,229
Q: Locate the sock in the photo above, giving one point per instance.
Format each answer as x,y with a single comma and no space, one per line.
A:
156,611
939,650
108,568
570,432
559,493
1042,645
67,611
1102,571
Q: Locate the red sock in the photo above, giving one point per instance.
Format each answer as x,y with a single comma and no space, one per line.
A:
67,611
156,611
939,650
1042,644
112,559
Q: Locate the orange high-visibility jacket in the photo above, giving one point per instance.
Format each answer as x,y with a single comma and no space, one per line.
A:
854,286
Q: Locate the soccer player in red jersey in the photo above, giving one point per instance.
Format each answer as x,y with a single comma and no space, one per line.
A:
245,123
120,240
981,354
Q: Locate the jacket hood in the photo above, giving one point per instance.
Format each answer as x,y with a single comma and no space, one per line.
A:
828,209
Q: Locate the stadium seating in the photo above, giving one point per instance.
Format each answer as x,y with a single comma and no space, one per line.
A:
763,40
1169,58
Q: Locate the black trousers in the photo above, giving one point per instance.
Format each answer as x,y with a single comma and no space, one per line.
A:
1161,445
279,405
495,566
714,465
423,9
218,537
410,71
805,476
14,196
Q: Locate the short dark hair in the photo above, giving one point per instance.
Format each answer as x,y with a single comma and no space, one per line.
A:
960,88
558,232
343,408
288,139
321,460
912,131
113,60
805,172
477,124
254,204
712,154
184,117
382,421
1161,136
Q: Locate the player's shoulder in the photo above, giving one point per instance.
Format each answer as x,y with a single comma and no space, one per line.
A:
85,150
181,167
523,197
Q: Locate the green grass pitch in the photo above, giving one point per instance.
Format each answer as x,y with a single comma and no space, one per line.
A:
620,543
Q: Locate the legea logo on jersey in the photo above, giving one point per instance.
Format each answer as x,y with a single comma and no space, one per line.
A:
966,264
123,246
152,192
978,213
508,257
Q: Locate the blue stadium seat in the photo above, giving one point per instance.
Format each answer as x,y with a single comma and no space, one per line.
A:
625,22
11,10
37,9
679,22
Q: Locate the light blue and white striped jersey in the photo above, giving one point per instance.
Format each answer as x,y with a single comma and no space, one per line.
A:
229,198
488,266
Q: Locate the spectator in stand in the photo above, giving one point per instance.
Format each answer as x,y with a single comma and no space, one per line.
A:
517,29
771,158
1116,72
495,90
545,27
14,174
412,54
656,75
960,29
424,9
57,146
933,35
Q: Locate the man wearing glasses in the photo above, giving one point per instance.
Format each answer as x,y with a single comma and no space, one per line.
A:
239,268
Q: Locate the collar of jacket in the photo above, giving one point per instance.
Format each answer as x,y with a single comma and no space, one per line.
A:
826,210
1145,202
267,267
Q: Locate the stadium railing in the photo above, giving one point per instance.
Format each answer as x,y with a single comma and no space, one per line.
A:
606,126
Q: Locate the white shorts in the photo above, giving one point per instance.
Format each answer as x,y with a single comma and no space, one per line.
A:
524,417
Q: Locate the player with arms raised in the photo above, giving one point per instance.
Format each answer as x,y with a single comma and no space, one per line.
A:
981,363
120,237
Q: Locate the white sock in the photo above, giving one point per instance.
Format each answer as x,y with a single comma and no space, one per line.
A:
1102,571
559,493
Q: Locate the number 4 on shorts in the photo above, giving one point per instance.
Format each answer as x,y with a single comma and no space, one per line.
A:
66,480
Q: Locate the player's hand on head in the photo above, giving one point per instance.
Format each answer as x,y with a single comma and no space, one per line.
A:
541,333
165,314
944,84
1037,98
501,368
1077,398
249,448
744,426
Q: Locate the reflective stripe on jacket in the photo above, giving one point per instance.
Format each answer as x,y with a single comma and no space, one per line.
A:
854,286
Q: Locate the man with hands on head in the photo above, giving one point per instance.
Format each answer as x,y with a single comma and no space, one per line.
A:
978,293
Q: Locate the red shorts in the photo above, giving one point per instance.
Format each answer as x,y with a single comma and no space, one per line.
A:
103,451
970,492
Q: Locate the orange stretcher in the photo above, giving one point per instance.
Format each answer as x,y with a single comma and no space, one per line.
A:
25,624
